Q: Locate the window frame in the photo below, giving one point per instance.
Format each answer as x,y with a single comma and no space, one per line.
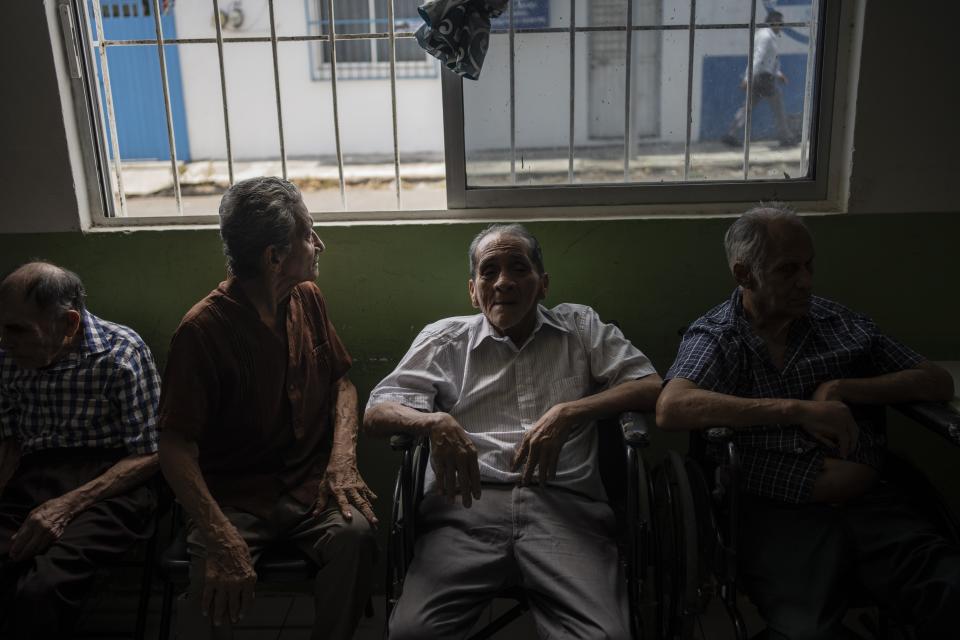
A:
813,188
824,191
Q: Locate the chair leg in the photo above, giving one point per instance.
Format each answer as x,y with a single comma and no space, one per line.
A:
166,610
146,585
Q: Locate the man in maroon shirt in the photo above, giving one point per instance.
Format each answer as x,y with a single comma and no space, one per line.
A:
258,420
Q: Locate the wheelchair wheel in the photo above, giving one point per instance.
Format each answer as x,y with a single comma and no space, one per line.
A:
683,573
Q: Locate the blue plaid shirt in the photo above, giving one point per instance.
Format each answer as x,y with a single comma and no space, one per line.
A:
104,395
720,352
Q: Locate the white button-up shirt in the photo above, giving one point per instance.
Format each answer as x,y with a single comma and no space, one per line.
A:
497,391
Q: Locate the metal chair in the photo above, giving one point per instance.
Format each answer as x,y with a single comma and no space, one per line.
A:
626,480
279,564
698,524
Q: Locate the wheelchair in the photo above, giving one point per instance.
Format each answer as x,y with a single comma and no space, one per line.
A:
697,514
625,476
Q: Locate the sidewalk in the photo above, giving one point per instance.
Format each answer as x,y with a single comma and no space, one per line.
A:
146,178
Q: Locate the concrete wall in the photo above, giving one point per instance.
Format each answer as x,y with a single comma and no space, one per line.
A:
893,256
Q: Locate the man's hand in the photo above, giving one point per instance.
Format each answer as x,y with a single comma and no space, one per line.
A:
454,459
827,391
782,78
832,424
43,526
541,445
342,481
228,580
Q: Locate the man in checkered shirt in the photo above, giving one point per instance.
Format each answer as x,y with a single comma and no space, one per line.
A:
802,382
78,400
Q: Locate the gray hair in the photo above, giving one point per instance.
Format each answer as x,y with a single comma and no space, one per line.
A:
747,240
517,230
255,214
51,288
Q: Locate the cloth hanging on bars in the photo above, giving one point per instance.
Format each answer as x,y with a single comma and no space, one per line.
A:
457,32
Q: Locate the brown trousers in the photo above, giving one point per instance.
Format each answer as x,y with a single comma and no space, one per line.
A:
42,596
344,551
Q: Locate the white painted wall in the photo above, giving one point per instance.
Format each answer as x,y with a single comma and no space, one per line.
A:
365,114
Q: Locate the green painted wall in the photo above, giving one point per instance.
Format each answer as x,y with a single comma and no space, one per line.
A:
383,283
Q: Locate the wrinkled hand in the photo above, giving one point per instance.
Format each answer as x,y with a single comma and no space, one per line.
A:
541,445
342,481
228,580
43,526
454,459
832,424
827,391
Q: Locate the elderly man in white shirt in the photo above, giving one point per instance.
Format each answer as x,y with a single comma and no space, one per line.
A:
766,76
509,399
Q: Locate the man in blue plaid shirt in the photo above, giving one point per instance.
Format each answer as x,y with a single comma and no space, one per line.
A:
802,382
78,401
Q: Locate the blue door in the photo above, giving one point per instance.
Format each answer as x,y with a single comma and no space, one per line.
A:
136,83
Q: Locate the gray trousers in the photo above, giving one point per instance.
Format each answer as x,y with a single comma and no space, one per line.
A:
800,564
555,544
344,551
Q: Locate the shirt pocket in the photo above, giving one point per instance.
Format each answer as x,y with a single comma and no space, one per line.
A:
566,389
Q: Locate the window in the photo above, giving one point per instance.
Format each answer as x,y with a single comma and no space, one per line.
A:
370,59
606,102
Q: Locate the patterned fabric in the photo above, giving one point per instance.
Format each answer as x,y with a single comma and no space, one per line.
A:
720,352
496,391
457,32
102,395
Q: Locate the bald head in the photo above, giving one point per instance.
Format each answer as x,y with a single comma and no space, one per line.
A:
50,288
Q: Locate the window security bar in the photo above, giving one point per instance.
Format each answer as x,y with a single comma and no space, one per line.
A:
391,35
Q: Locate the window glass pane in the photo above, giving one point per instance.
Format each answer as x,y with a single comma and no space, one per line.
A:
486,106
659,105
725,11
542,79
657,12
600,103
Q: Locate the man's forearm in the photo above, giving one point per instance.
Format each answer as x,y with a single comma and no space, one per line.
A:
925,383
123,476
633,395
685,407
179,462
388,418
345,421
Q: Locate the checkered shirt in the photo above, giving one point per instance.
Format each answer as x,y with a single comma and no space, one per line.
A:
104,395
720,352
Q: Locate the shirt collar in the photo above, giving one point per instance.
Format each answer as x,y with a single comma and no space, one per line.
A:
544,317
94,338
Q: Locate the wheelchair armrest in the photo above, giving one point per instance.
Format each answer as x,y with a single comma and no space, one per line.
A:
939,417
402,441
636,429
719,435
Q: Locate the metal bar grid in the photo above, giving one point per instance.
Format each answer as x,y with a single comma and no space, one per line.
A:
513,101
573,81
111,115
627,98
392,35
393,100
336,106
276,86
748,104
385,35
166,106
689,119
223,89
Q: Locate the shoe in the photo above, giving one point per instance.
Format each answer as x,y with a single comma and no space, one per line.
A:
730,141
